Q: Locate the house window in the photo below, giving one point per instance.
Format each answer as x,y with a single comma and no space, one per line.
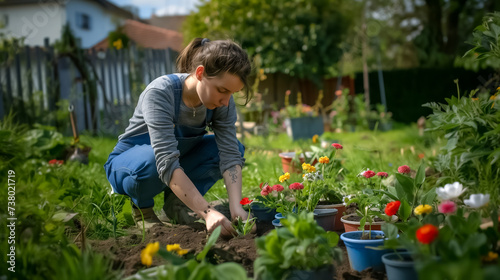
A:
83,21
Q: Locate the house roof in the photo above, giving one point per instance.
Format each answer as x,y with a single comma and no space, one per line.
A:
105,4
148,36
168,22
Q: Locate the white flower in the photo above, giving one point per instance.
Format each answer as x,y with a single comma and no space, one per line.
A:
450,191
477,200
311,177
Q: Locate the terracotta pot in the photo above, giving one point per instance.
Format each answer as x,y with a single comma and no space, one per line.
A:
354,225
340,208
288,166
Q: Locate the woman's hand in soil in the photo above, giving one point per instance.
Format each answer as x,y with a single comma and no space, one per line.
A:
240,212
214,219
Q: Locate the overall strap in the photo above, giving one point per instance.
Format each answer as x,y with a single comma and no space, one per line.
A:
177,96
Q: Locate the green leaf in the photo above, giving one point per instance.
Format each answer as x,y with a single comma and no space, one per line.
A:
405,210
429,197
420,177
230,271
407,185
332,238
211,241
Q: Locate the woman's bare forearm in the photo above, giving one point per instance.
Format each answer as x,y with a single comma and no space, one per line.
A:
232,179
186,191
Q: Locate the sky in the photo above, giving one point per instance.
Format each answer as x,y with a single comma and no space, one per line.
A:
159,7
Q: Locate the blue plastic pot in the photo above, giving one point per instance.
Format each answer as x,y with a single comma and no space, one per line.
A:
398,268
278,216
263,213
361,257
277,223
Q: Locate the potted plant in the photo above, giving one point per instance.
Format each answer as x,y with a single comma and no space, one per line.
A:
300,248
302,121
445,240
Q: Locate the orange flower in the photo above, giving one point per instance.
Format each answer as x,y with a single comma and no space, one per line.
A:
324,160
427,233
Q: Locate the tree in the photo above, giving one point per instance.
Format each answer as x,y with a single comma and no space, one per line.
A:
296,37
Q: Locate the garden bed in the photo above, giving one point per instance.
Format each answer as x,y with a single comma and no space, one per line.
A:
125,252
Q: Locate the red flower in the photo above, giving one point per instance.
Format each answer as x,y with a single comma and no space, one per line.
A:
404,169
427,233
55,161
382,174
296,186
337,146
245,201
368,174
278,188
261,184
392,208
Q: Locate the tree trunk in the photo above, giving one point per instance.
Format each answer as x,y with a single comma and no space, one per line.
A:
456,8
434,16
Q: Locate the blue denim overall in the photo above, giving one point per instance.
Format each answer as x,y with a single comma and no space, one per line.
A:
131,166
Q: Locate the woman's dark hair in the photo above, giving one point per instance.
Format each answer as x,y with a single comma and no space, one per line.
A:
218,57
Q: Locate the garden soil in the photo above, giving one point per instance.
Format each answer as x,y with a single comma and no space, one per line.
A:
125,251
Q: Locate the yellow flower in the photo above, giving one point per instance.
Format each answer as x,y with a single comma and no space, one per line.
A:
182,252
118,44
315,138
148,253
490,257
311,169
305,166
422,209
173,247
284,177
177,249
324,160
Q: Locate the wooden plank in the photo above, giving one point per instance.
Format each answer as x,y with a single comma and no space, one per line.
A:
38,55
19,102
29,72
126,77
115,76
110,76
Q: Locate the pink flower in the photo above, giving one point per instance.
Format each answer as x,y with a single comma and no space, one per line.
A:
266,190
278,188
447,207
368,174
382,174
337,146
404,169
296,186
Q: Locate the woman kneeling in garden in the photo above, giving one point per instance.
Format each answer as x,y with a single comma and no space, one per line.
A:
166,144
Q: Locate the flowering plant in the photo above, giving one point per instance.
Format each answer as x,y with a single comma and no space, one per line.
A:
447,240
244,227
300,109
197,268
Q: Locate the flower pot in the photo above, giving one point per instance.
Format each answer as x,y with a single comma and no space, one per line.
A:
325,272
276,223
326,218
304,127
354,225
279,216
361,257
340,209
263,213
398,268
293,167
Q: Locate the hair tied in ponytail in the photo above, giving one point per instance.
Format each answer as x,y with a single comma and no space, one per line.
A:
204,41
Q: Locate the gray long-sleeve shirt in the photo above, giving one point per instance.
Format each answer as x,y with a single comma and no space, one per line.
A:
154,113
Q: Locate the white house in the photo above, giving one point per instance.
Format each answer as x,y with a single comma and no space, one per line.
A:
35,20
